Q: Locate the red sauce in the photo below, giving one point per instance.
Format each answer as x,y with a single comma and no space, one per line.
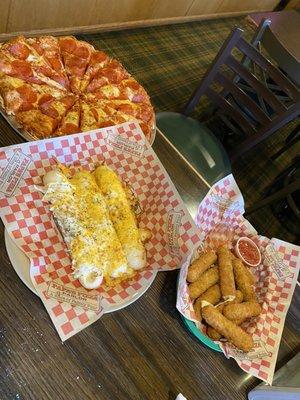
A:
249,252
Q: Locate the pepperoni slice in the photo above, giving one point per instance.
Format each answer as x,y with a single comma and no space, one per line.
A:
68,101
114,64
146,129
26,107
106,123
96,84
55,63
27,94
118,119
33,79
113,76
132,85
18,50
21,68
62,80
47,109
127,109
67,45
81,51
45,98
108,109
75,62
144,112
95,113
69,128
37,47
98,57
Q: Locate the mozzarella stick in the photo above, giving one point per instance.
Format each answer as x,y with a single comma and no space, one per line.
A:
201,265
239,321
251,277
247,270
211,295
239,297
207,279
227,284
213,334
244,310
220,307
242,280
227,328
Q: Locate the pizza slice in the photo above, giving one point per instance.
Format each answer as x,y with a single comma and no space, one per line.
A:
133,91
127,89
22,61
126,111
71,121
17,68
95,115
42,121
17,95
97,61
111,74
47,47
141,111
57,108
76,55
147,128
35,122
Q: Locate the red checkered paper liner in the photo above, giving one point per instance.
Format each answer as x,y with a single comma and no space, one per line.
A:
220,219
29,221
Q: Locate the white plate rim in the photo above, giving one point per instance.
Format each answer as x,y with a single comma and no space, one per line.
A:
20,262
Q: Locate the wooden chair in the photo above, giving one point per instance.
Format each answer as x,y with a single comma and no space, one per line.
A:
285,192
255,122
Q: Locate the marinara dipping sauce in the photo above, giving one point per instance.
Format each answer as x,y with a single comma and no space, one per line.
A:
247,250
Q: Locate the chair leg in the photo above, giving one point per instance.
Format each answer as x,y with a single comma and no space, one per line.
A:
284,148
280,194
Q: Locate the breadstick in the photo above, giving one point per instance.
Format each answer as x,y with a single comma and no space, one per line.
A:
227,284
227,328
201,265
242,280
207,279
244,310
211,295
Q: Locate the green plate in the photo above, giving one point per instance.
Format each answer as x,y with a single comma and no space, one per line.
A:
191,326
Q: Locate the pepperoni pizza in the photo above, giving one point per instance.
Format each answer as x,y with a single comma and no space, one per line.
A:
59,86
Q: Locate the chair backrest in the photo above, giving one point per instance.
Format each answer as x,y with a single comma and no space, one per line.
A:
238,103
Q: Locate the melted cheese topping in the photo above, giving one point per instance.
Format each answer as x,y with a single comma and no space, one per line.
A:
81,214
110,91
122,216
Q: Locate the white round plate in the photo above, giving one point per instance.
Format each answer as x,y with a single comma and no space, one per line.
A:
22,266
